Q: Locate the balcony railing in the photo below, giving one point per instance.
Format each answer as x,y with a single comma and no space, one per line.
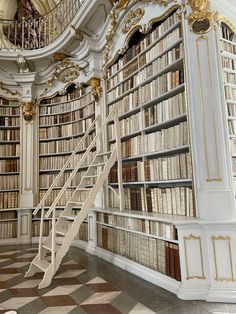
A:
40,32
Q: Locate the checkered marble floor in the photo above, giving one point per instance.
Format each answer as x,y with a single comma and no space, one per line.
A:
74,289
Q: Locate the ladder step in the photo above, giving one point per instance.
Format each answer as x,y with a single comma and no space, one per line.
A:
104,153
97,165
79,204
92,176
68,217
83,189
61,231
41,264
48,246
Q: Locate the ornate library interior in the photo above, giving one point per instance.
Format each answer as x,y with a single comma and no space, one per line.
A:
118,156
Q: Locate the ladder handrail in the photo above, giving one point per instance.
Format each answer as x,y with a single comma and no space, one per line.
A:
52,207
64,167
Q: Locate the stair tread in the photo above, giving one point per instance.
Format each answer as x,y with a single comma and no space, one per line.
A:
83,189
49,246
76,202
61,231
99,164
104,153
41,264
91,176
68,217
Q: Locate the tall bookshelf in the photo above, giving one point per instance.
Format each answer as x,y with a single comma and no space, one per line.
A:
9,166
228,61
63,120
147,85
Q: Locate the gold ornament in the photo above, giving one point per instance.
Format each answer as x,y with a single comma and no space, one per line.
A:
132,19
95,84
28,111
200,19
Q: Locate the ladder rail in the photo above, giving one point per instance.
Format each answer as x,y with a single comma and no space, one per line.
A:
64,167
53,206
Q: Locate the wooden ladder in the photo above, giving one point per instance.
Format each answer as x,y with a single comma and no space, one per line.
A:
68,223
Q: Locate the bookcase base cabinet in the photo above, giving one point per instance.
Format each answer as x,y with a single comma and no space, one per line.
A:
208,261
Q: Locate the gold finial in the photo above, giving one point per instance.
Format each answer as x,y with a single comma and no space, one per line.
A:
95,84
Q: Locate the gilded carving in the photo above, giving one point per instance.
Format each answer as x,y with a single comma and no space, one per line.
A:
95,84
59,56
8,91
132,19
200,19
28,111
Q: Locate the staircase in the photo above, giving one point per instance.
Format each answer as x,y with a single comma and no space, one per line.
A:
51,253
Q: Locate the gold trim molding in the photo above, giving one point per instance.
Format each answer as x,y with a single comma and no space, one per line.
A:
222,19
132,19
195,238
96,88
200,19
217,277
8,91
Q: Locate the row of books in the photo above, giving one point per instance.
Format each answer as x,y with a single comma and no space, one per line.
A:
9,135
173,137
45,180
126,103
150,56
9,121
7,215
229,63
67,145
9,111
232,127
226,33
148,226
166,168
155,88
50,199
9,182
57,162
47,226
161,85
170,200
8,229
228,47
70,116
83,231
65,130
231,109
161,63
9,165
144,44
10,150
229,77
77,93
147,251
166,138
128,125
9,199
230,92
233,146
165,110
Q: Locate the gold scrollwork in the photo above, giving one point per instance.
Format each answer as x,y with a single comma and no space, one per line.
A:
95,84
28,111
217,277
8,91
196,238
200,19
132,19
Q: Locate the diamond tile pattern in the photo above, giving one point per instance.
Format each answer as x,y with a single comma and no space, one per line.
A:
67,294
